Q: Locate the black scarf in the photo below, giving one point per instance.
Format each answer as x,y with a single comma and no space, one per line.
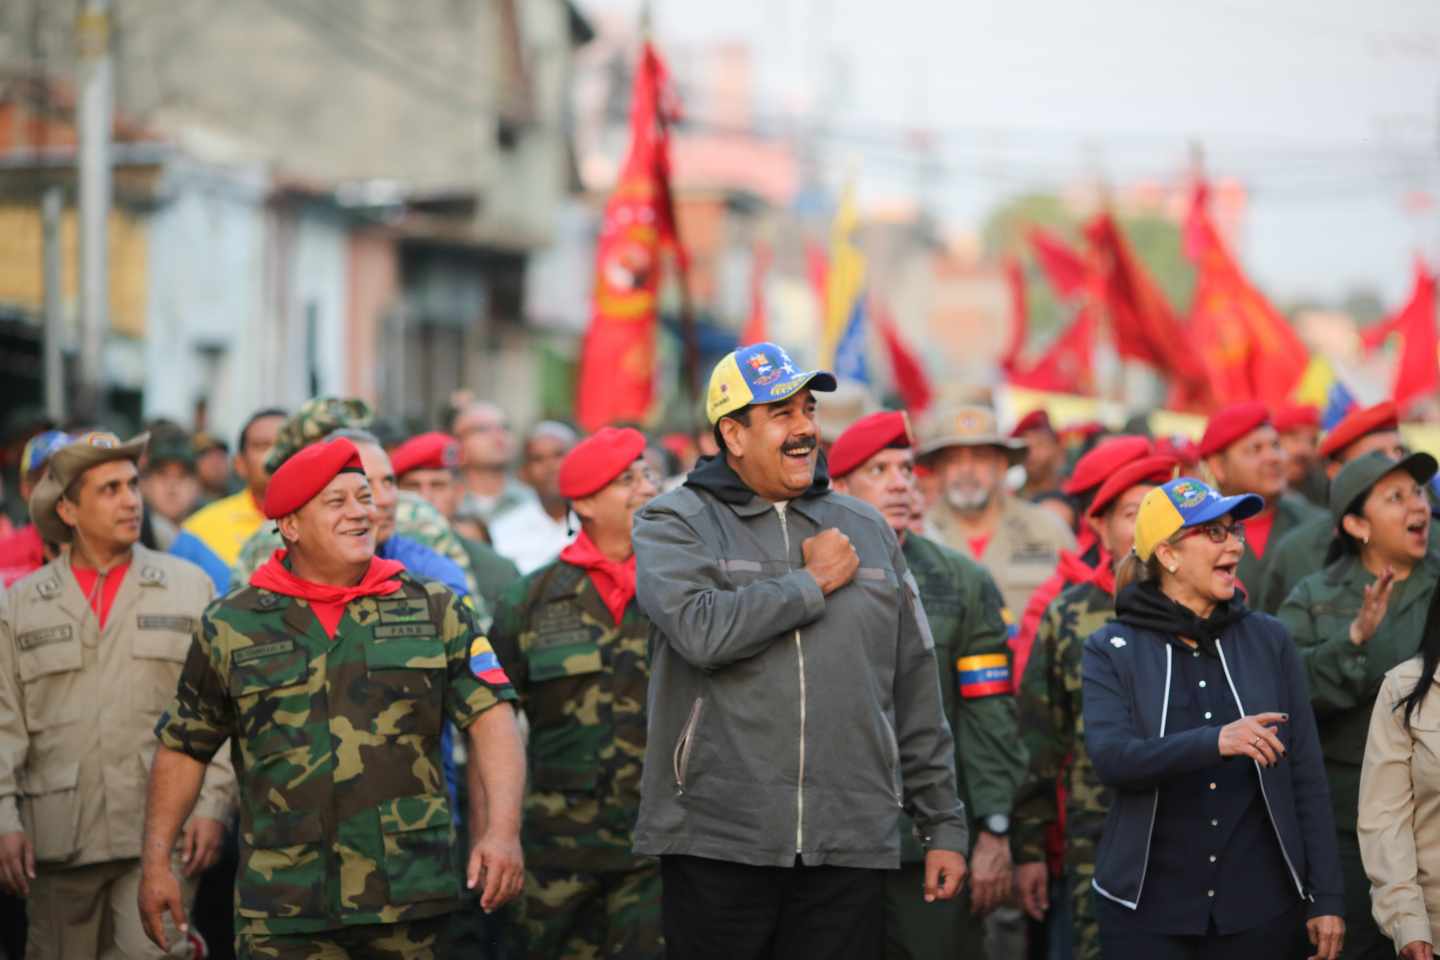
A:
714,475
1143,605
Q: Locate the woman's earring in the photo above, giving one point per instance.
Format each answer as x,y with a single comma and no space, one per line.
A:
1365,540
1172,569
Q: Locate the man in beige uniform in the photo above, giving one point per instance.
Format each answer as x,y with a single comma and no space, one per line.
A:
1017,542
91,647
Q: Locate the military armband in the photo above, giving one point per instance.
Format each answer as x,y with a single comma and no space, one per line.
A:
983,675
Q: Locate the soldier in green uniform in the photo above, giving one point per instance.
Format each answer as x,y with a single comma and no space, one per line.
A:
332,674
1051,721
873,461
1353,621
1242,452
428,465
575,645
1301,552
414,518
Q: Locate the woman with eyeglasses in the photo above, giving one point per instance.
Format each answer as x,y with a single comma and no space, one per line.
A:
1353,621
1220,841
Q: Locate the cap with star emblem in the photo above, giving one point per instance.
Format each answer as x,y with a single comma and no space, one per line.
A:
760,373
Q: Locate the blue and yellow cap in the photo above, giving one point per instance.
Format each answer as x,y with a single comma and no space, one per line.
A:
759,373
1185,502
40,448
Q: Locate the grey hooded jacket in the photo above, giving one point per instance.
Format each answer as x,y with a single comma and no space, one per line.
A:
783,722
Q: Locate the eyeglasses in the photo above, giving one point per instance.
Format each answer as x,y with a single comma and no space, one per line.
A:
635,475
1217,532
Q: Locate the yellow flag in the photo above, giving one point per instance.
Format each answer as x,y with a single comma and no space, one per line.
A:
846,278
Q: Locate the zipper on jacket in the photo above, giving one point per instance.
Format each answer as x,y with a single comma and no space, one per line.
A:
895,763
680,759
1261,775
800,660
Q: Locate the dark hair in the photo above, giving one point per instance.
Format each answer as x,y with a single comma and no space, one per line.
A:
1343,544
741,416
1429,659
254,418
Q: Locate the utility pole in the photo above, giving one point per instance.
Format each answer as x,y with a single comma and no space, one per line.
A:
51,206
95,81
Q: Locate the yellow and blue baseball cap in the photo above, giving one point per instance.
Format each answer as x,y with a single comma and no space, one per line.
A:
1185,502
40,448
760,373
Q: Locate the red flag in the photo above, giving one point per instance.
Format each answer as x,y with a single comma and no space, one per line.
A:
1417,373
756,328
617,361
1142,322
1064,268
817,271
905,367
1019,314
1249,349
1069,365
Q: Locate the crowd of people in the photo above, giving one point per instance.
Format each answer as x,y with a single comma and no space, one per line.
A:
917,690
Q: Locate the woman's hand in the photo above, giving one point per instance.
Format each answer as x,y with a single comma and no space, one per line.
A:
1417,950
1327,935
1372,610
1254,737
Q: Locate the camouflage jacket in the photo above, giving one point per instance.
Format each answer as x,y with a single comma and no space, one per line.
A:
582,682
965,611
1291,513
415,518
344,818
1052,725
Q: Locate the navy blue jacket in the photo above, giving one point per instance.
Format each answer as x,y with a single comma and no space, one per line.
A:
1126,673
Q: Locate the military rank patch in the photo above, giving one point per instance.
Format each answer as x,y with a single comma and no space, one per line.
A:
484,664
984,675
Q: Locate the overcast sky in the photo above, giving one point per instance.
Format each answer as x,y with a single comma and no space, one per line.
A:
1328,110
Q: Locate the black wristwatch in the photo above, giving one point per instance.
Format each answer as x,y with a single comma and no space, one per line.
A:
997,824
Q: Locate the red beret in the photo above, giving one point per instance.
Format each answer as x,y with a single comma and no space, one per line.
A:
1230,424
866,437
1107,456
1359,423
598,459
1293,416
1157,470
1034,420
305,474
428,451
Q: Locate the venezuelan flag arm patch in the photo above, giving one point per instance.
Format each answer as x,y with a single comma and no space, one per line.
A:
984,675
484,664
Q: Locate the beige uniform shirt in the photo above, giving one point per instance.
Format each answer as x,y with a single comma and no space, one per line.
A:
1022,552
78,706
1399,821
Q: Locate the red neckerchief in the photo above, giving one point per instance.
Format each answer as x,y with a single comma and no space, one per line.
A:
102,599
615,582
328,602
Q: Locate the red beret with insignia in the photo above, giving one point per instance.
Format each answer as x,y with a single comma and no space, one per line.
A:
428,451
866,437
1107,457
1156,470
1034,420
1359,423
308,472
599,459
1230,424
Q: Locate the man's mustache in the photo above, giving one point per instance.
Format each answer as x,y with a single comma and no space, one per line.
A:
802,445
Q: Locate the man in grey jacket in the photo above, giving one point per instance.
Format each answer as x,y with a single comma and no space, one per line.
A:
793,706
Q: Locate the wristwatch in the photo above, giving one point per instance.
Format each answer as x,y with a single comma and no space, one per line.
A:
996,823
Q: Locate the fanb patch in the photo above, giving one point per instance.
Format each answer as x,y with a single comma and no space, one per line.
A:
403,611
156,621
390,631
261,651
31,639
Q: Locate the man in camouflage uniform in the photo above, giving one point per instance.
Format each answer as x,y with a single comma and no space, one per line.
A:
332,673
574,643
1051,721
873,461
414,519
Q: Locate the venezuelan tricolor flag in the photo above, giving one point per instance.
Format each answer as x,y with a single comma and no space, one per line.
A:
484,664
984,675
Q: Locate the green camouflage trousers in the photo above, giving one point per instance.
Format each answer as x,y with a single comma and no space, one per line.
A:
612,915
416,940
